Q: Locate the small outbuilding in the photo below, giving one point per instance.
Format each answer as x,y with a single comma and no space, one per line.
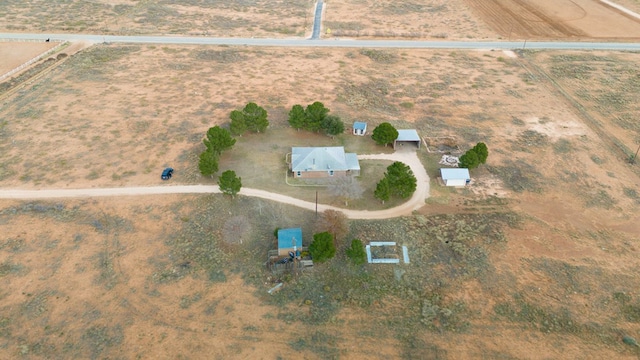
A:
409,136
359,128
455,176
289,240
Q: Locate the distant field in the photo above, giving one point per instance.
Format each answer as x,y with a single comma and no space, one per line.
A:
440,19
195,17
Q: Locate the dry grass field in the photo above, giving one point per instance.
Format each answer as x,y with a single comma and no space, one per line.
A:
537,259
195,17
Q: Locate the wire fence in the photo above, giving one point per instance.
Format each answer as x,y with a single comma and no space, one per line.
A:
24,65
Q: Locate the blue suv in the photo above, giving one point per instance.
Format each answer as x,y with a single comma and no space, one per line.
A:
167,173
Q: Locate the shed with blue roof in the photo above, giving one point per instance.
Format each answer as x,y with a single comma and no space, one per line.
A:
289,240
359,128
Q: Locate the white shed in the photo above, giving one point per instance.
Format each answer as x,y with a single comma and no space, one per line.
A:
455,177
359,128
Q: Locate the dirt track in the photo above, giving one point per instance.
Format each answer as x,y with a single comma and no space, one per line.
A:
408,157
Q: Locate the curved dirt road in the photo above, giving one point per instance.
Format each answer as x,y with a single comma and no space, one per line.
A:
408,157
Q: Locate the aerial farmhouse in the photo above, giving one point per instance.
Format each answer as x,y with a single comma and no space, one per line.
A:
322,162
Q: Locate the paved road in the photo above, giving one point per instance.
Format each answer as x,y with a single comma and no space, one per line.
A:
409,157
317,21
344,43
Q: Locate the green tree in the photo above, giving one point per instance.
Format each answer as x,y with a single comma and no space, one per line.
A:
314,115
255,117
297,117
482,151
402,182
383,190
384,134
208,163
332,125
229,183
356,252
252,118
218,140
238,124
469,160
322,247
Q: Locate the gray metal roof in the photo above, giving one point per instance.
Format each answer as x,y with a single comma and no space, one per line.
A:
408,135
454,173
352,161
322,159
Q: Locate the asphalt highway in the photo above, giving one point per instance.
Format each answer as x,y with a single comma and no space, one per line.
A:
334,43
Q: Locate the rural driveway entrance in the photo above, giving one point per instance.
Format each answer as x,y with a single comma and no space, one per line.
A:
408,157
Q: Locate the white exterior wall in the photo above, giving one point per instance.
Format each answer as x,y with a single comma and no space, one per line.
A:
456,182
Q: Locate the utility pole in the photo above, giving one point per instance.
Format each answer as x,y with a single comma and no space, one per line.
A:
633,159
316,203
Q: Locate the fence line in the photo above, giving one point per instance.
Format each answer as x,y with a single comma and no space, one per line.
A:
27,40
44,54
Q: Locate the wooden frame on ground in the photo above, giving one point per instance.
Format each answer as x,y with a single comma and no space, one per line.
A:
385,252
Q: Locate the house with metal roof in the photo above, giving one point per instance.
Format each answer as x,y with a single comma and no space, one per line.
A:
409,136
289,240
359,128
455,176
321,162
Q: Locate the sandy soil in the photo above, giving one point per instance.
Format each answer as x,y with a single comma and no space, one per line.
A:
14,54
566,19
121,115
83,278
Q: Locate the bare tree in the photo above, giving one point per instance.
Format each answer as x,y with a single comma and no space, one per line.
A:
333,222
236,230
345,187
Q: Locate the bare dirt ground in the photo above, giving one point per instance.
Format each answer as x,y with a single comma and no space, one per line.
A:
538,259
438,19
568,265
14,54
552,19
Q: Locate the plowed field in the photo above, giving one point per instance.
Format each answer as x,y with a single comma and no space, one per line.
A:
563,19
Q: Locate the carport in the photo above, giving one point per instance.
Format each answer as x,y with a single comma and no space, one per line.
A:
409,136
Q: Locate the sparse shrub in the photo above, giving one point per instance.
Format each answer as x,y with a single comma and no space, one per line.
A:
356,252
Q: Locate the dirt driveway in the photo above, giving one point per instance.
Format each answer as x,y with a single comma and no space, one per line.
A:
408,157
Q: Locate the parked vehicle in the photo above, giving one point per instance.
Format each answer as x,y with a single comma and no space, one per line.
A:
167,173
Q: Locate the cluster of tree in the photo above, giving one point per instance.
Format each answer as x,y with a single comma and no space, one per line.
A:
384,134
252,118
217,140
474,157
331,230
323,248
315,117
398,181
